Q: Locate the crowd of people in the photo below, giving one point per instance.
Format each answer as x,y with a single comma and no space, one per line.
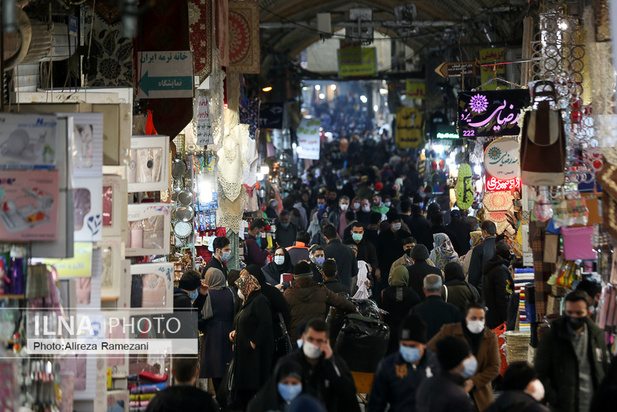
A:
441,280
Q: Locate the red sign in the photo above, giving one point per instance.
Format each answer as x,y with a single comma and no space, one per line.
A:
494,185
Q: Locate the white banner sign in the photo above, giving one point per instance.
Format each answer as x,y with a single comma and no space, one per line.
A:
204,123
308,139
501,158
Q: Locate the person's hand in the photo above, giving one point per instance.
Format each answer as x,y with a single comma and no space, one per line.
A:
468,385
232,335
279,286
252,345
378,274
203,288
368,283
326,349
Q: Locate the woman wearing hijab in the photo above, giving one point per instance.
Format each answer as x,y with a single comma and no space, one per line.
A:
280,312
286,384
279,265
252,337
475,240
443,252
217,315
455,290
397,300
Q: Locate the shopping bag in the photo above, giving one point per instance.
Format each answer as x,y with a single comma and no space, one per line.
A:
226,395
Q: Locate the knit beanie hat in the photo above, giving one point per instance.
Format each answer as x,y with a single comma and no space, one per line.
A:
517,376
190,280
413,328
302,270
419,252
451,351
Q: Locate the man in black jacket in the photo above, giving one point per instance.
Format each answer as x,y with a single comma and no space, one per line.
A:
497,285
221,247
189,298
343,255
183,396
329,379
460,228
420,269
434,311
389,248
482,253
332,282
366,250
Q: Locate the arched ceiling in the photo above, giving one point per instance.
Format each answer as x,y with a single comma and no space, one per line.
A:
469,18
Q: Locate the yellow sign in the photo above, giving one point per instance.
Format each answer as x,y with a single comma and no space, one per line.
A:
488,72
409,128
79,266
416,90
367,67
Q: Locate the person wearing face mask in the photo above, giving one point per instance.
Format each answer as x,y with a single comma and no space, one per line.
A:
366,250
187,298
356,204
572,358
446,392
222,252
253,341
364,214
345,258
308,300
400,374
497,285
522,391
317,258
389,249
255,252
337,216
283,387
280,265
327,375
286,231
484,347
216,312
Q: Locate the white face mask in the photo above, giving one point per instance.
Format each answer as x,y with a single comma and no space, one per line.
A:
344,206
311,350
356,205
240,295
279,260
475,326
366,208
387,204
538,390
396,226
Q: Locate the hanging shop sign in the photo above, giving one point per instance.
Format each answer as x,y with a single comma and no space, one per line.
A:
409,128
488,56
491,113
501,159
366,67
496,185
308,139
416,90
165,74
446,132
457,69
204,123
464,187
271,115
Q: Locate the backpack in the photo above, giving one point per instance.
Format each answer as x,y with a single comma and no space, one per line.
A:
543,141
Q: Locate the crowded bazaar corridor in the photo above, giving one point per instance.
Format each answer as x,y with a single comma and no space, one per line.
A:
324,206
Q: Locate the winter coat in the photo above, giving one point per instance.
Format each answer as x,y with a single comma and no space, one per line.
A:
329,381
255,254
216,264
390,248
396,382
557,365
368,253
216,350
497,286
299,251
460,294
461,230
444,393
182,398
345,260
306,303
253,324
436,313
428,240
516,401
286,237
489,362
479,256
417,272
397,310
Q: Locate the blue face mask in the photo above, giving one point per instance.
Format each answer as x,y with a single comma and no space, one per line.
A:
471,366
320,260
258,240
285,225
357,237
225,256
289,392
410,355
193,295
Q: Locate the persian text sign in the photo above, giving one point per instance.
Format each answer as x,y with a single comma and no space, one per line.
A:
491,113
489,72
495,185
308,139
416,90
165,74
367,67
203,123
501,159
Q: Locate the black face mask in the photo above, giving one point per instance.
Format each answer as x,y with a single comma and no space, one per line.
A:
408,252
576,323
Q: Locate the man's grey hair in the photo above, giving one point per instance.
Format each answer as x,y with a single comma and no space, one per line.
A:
344,198
432,283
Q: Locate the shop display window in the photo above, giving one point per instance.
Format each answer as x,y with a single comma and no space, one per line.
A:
148,166
152,286
149,229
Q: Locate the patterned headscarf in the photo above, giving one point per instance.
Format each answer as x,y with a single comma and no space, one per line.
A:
247,284
476,237
443,252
